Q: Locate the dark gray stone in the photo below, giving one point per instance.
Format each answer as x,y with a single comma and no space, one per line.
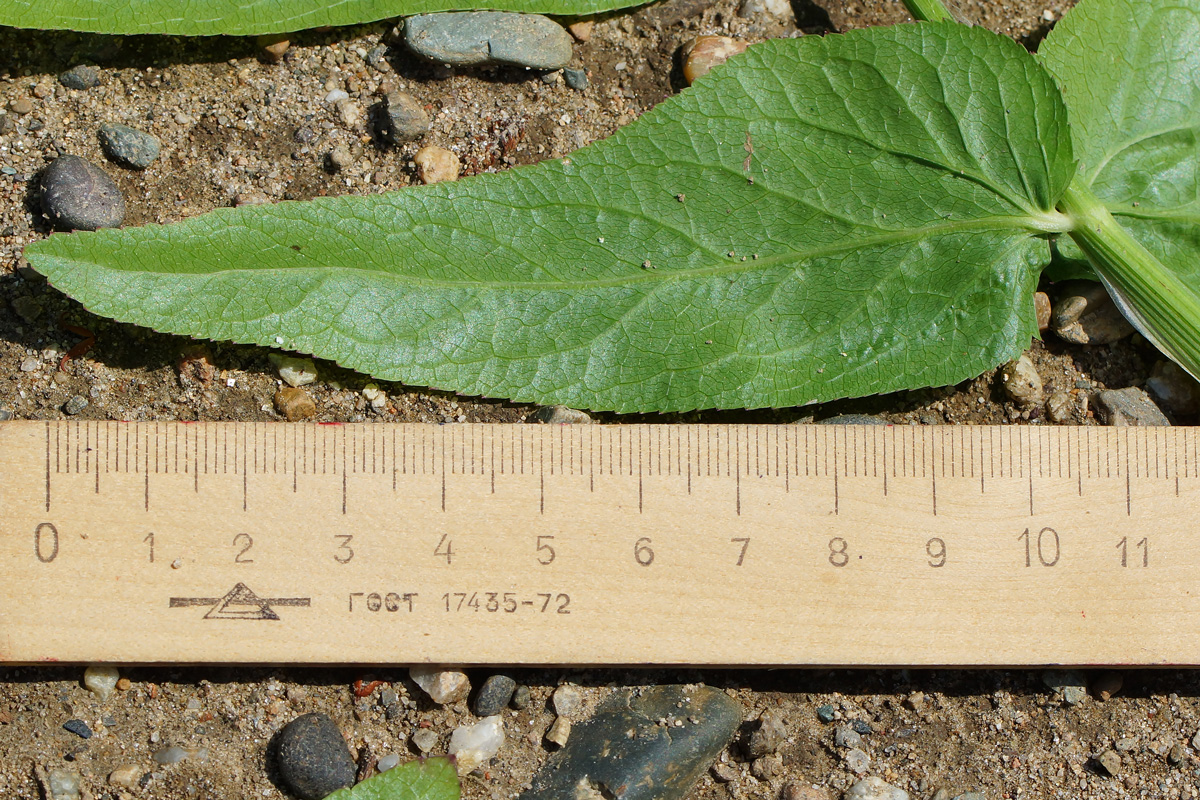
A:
520,698
493,695
78,727
471,38
76,404
632,749
313,758
854,419
129,146
80,77
576,78
78,195
1130,407
403,118
826,713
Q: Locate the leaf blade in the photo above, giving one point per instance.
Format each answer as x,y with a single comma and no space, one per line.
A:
250,17
587,282
425,779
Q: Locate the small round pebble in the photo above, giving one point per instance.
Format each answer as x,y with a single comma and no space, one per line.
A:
78,195
577,79
425,739
404,119
387,762
274,46
436,165
705,52
520,699
313,758
21,106
101,680
567,700
339,158
75,404
493,695
80,77
129,146
1021,382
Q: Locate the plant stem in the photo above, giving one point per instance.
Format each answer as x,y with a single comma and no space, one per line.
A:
928,11
1161,306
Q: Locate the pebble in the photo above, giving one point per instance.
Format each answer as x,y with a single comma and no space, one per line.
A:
442,685
274,46
129,146
339,158
436,165
858,761
561,415
80,77
705,52
376,397
582,30
1085,314
860,726
969,796
387,762
494,695
1110,762
403,118
126,776
845,736
798,791
874,788
1107,684
78,195
1060,407
1177,755
313,758
1174,388
471,38
63,784
650,743
768,737
78,727
1129,407
577,79
520,698
170,755
1021,382
21,106
424,739
559,731
1041,309
767,767
294,404
101,680
1196,741
724,772
567,700
75,404
294,371
1069,683
474,745
826,713
764,8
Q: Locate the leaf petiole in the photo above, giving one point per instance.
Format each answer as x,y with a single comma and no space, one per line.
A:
1160,305
929,11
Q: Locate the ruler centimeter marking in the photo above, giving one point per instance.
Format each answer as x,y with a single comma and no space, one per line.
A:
623,544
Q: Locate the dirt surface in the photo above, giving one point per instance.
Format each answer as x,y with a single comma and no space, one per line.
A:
235,127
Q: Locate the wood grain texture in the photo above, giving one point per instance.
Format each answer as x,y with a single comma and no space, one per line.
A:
639,544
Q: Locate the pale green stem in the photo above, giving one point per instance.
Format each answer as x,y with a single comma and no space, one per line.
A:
1165,309
928,11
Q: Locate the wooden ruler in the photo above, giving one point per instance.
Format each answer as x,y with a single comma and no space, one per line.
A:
631,544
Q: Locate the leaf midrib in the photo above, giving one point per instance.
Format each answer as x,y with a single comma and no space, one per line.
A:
645,275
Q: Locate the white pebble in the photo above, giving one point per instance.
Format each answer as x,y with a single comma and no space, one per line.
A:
295,371
375,396
472,745
442,685
101,680
387,762
874,789
336,95
63,784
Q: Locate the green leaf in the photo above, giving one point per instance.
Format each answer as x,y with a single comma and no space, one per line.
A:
885,233
1130,75
250,17
427,779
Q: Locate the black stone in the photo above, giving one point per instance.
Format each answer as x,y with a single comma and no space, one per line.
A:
493,695
78,195
520,698
647,744
78,727
313,758
576,78
825,713
860,726
80,77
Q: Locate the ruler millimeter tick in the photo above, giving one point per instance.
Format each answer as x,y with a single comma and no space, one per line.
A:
598,544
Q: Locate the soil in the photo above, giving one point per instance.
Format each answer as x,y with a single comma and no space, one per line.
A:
236,127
